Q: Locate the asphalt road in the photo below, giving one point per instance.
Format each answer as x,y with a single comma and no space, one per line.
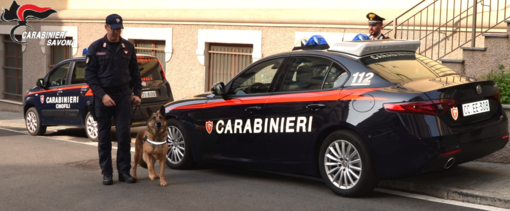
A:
59,171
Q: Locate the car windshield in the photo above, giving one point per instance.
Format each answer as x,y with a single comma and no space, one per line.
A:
149,68
405,67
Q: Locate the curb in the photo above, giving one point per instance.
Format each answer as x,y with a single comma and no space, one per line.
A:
463,195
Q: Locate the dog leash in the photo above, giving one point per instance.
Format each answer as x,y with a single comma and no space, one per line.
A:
133,114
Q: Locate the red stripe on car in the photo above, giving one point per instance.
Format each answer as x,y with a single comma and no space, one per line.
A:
56,89
349,94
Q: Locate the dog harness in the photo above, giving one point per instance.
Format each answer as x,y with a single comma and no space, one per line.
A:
153,143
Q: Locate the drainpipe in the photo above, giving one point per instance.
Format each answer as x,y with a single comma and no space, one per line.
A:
473,28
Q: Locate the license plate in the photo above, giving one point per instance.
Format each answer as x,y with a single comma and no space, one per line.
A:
476,107
148,94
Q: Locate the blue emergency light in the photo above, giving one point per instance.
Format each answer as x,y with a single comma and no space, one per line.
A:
300,43
85,50
316,42
360,37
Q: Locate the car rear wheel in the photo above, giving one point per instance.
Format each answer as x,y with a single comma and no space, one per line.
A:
91,127
33,123
345,165
179,151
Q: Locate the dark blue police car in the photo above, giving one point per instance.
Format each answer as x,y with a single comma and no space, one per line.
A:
60,98
353,114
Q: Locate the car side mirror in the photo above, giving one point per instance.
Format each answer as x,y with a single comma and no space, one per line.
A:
40,83
218,89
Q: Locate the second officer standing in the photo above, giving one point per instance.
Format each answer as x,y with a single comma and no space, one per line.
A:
112,73
375,26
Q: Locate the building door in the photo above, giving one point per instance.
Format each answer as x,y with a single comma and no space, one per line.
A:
13,69
226,61
60,53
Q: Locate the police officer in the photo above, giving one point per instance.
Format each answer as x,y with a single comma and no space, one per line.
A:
113,75
375,26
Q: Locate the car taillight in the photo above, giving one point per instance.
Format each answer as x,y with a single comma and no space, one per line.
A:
497,96
433,107
162,70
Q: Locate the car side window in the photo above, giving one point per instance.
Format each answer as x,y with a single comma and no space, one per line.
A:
58,76
78,76
257,79
306,73
336,77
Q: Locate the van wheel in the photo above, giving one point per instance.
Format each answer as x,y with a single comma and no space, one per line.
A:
345,164
91,127
33,122
179,150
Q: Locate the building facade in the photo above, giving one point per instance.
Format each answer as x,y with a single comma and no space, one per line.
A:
198,42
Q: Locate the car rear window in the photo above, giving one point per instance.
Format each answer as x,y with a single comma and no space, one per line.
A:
149,69
405,67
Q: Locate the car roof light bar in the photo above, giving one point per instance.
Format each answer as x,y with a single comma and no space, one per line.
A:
365,47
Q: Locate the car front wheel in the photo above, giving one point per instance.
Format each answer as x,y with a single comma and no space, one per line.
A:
179,151
91,127
345,165
33,122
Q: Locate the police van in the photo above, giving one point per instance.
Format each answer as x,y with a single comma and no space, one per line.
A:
61,97
352,113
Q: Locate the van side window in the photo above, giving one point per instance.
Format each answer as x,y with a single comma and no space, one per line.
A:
58,76
78,76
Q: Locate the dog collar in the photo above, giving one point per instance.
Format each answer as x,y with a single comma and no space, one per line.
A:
149,129
153,143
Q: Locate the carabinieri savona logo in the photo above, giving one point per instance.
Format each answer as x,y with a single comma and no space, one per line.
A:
22,13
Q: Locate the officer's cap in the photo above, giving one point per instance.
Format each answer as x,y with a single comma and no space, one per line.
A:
374,19
115,21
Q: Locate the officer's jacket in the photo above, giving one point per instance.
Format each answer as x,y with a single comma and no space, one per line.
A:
107,67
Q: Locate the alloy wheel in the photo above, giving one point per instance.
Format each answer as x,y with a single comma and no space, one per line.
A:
343,165
91,127
175,145
31,122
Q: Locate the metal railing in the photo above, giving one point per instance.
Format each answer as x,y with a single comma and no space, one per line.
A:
444,26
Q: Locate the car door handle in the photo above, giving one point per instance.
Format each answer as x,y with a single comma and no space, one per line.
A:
252,109
315,107
59,92
83,90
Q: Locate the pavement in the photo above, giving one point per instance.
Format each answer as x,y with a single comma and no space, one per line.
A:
474,182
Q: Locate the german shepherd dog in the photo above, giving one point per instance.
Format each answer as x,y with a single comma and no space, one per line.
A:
151,143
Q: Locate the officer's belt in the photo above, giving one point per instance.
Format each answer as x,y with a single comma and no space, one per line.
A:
115,90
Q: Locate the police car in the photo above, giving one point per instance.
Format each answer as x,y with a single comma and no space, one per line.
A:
353,113
61,97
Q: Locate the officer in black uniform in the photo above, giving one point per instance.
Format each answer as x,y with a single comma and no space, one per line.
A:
113,75
375,26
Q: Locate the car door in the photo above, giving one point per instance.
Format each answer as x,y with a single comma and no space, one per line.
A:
78,93
237,118
308,94
53,110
